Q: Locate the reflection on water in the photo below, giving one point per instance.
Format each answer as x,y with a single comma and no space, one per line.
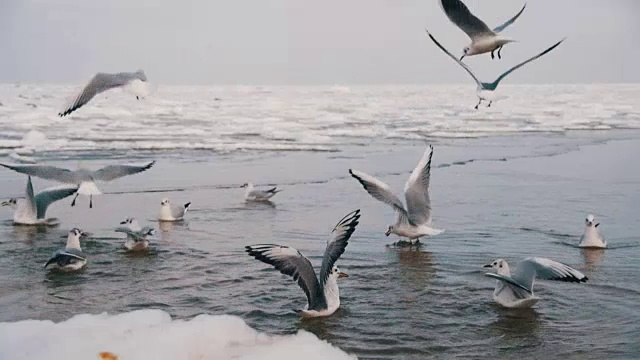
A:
415,266
259,204
514,324
29,234
592,257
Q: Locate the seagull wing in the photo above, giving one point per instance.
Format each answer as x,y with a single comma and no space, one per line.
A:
510,21
464,66
178,213
112,172
337,243
508,280
290,261
460,15
416,191
31,201
51,195
527,271
380,191
504,74
45,172
65,257
99,83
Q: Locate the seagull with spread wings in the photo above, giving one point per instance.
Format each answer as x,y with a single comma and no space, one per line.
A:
85,179
323,296
483,39
515,290
102,82
32,210
414,221
485,91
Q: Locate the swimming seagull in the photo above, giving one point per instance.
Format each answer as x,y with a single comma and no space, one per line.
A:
484,91
591,238
323,296
253,194
516,290
169,214
414,221
71,257
102,82
85,179
137,237
32,209
483,39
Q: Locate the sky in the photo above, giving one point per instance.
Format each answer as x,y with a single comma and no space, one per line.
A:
311,42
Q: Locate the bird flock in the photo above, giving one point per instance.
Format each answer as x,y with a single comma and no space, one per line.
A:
513,289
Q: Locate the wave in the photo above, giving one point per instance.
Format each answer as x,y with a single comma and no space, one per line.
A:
152,334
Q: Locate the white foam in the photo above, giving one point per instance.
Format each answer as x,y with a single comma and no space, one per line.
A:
152,334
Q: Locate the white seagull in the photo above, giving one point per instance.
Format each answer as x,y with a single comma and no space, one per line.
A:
32,209
516,290
323,296
483,39
414,221
253,194
591,238
102,82
484,90
85,179
137,237
71,257
169,214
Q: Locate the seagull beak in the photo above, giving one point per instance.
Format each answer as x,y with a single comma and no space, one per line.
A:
387,233
122,222
342,275
462,57
5,203
488,266
597,224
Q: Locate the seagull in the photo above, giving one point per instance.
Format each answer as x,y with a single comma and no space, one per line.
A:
483,39
414,221
516,290
169,214
323,296
85,179
253,194
484,91
591,238
102,82
71,257
137,237
32,209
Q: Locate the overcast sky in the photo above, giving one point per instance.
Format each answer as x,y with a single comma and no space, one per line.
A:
310,41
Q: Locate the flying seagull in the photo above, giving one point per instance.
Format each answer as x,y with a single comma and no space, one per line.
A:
172,214
71,257
591,238
102,82
83,178
32,209
323,296
253,194
483,39
484,90
515,290
414,221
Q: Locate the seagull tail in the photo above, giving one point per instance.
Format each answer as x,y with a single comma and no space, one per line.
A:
88,188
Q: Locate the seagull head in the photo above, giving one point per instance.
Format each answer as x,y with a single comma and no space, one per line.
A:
465,51
126,221
390,229
591,221
76,233
11,202
337,273
501,267
164,202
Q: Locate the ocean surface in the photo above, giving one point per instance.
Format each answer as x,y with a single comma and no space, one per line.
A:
510,181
